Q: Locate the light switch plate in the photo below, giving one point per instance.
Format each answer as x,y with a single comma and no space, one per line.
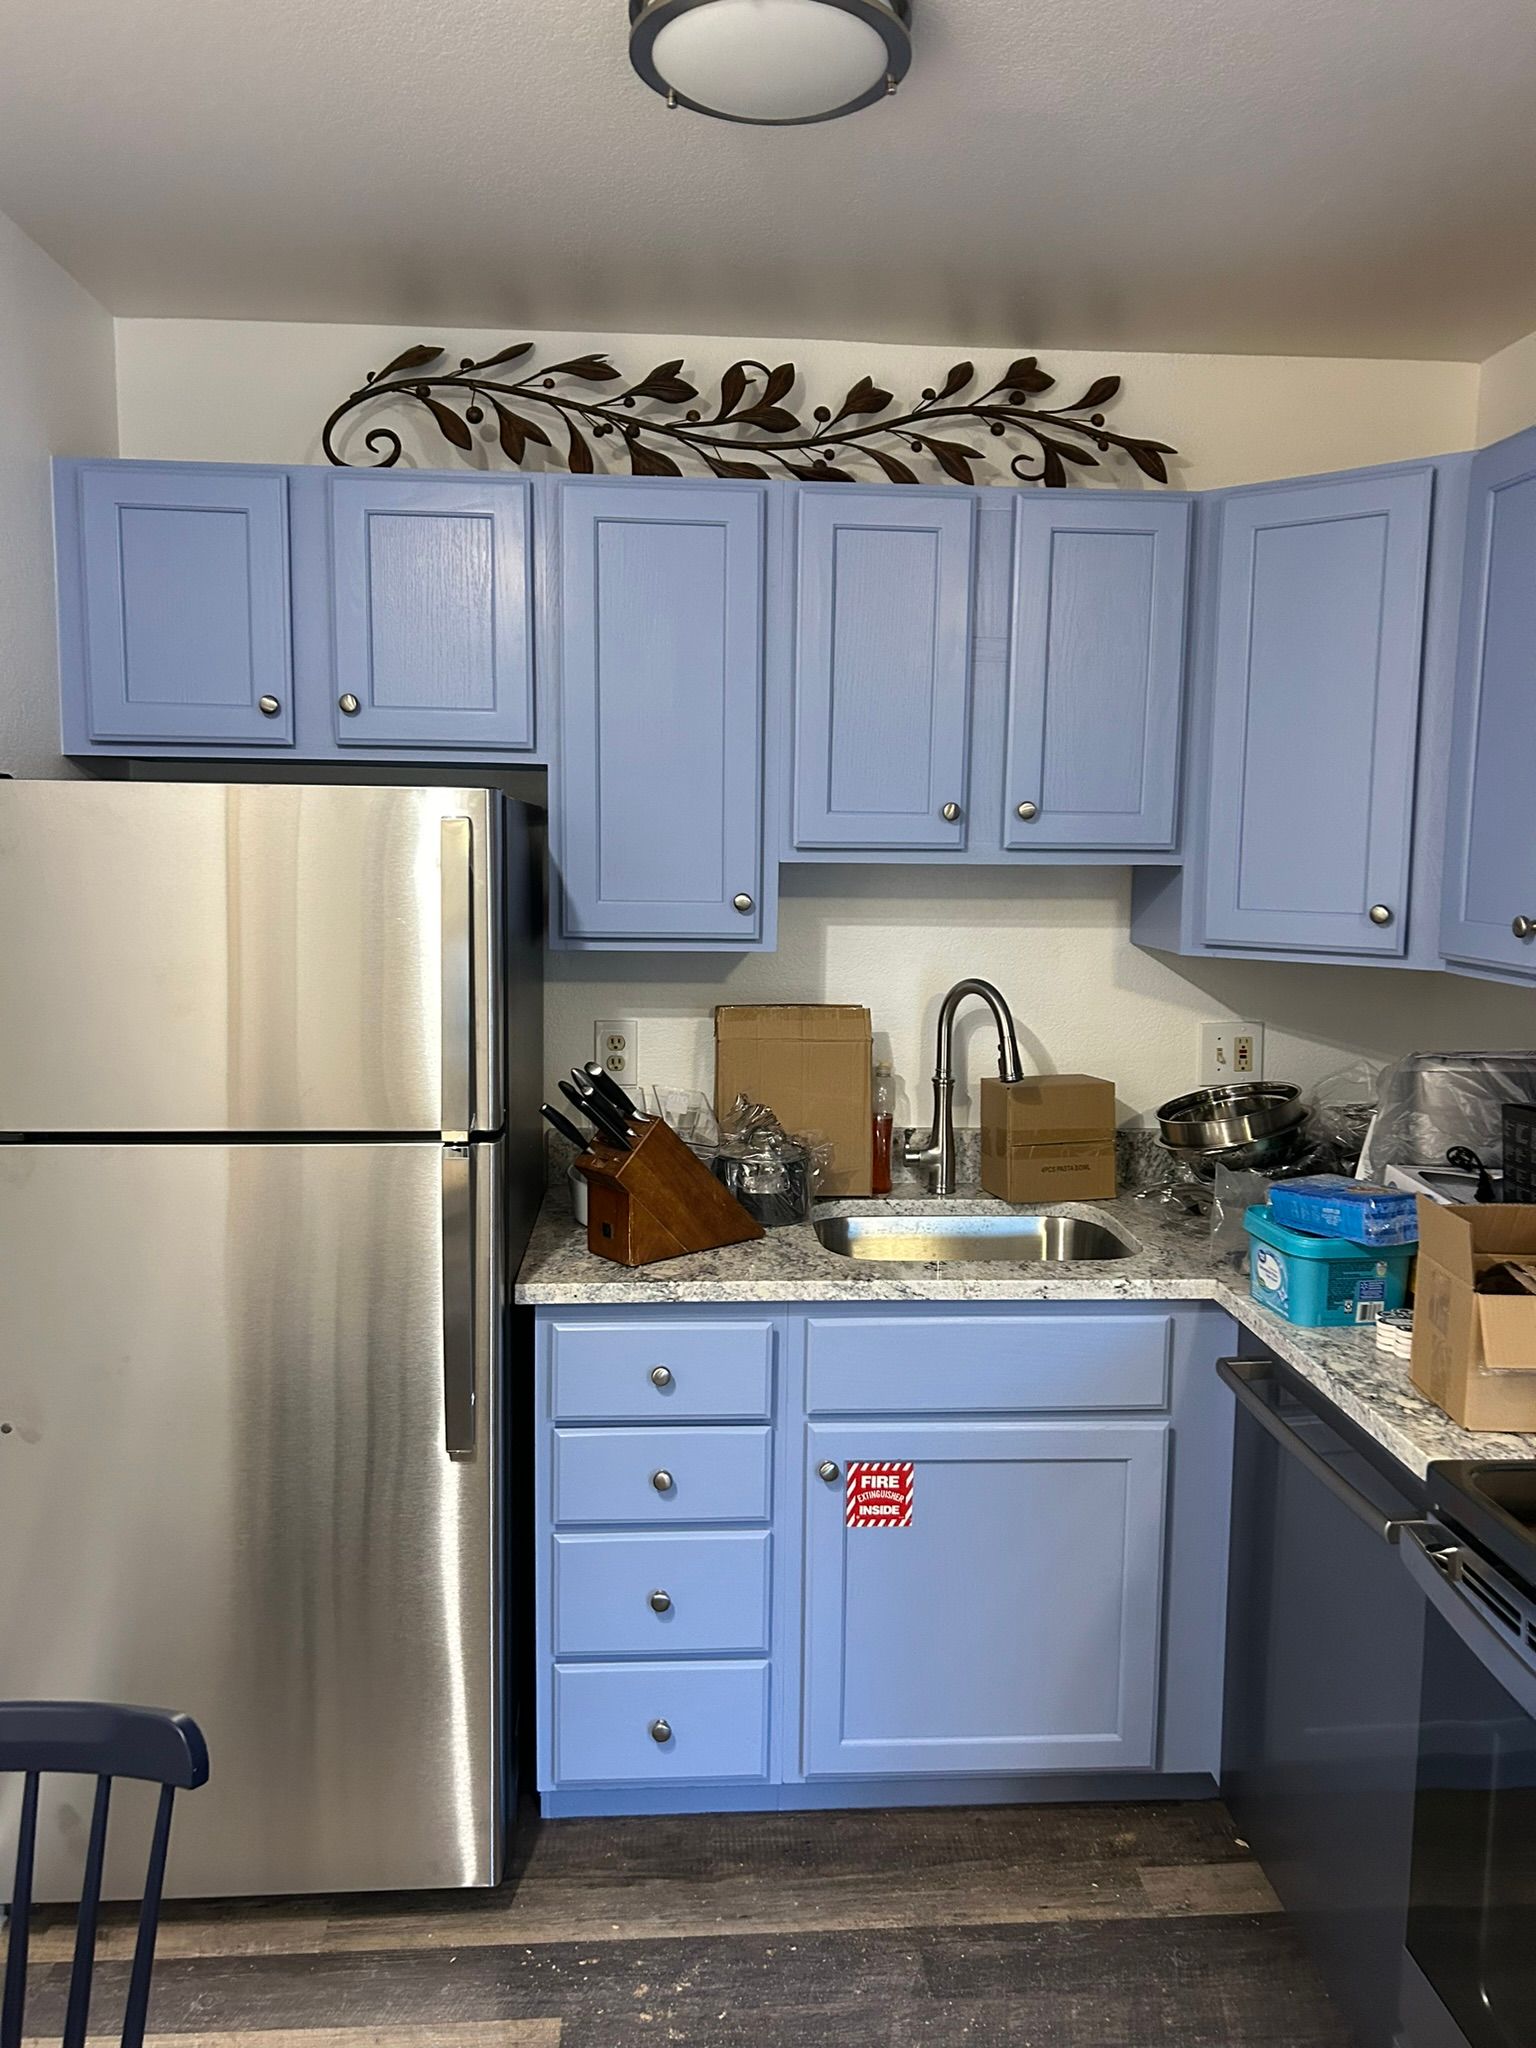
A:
616,1048
1231,1051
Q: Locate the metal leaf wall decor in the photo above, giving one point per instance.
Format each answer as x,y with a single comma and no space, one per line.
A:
747,429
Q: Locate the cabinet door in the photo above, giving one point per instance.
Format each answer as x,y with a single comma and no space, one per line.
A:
184,588
882,667
431,612
1490,867
1095,671
659,833
1319,623
1013,1626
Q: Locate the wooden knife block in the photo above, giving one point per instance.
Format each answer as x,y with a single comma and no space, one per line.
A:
657,1201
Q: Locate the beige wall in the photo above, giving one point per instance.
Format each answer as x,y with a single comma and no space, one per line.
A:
57,397
251,391
1054,939
1506,392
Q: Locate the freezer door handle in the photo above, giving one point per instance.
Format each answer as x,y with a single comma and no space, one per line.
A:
458,948
458,1301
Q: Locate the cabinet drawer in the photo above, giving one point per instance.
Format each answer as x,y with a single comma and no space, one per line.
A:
608,1475
716,1586
958,1365
603,1372
716,1716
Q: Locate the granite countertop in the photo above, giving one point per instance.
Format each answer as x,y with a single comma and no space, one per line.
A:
1173,1260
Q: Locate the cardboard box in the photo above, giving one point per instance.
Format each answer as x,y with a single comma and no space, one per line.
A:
811,1063
1474,1355
1048,1139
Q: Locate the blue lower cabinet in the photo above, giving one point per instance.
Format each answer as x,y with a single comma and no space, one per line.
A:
661,1372
1014,1625
660,1723
662,1475
695,1593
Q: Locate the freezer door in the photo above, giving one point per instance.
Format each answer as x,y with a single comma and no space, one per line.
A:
180,957
228,1376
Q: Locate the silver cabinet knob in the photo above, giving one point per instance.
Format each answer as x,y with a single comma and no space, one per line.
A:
269,707
661,1376
662,1481
827,1470
349,704
950,813
1380,913
661,1603
661,1731
743,902
1524,927
1027,811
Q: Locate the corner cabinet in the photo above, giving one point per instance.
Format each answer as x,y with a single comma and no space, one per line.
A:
1095,672
173,607
1489,917
431,612
882,667
657,811
918,1660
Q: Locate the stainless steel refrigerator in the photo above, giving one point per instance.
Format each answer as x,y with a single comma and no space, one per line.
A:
269,1151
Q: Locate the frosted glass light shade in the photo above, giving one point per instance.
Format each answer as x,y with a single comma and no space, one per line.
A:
770,61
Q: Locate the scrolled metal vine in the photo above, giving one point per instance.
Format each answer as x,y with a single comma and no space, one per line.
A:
749,430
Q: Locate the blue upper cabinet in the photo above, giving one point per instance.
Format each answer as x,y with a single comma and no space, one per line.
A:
1095,671
957,1644
1318,625
1490,866
658,783
173,606
883,592
431,612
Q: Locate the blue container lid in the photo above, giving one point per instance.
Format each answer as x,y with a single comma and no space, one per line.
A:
1300,1244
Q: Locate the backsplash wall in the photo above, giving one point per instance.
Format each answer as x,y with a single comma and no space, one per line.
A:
1055,941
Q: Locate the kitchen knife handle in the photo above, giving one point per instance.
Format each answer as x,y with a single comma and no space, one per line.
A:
458,958
458,1301
609,1089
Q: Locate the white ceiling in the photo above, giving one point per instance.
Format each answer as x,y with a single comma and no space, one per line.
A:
1308,176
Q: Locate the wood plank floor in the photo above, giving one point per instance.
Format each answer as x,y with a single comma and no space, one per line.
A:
1036,1927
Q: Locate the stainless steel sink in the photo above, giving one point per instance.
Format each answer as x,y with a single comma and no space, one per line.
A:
1033,1239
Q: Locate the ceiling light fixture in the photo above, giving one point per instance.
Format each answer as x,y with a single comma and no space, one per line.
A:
773,63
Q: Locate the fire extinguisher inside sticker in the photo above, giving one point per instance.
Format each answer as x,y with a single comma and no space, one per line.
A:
879,1493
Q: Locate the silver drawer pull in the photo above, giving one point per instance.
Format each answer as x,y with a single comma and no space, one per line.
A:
1027,811
1380,913
661,1731
269,707
1524,927
950,813
349,704
661,1603
661,1376
827,1470
662,1481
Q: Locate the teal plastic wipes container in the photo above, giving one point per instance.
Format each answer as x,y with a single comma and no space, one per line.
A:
1322,1281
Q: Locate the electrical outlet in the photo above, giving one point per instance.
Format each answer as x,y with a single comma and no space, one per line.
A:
616,1048
1231,1051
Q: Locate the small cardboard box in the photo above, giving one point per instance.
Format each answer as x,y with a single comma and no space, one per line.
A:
810,1062
1474,1355
1048,1139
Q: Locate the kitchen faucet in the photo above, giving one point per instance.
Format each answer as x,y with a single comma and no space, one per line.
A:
938,1155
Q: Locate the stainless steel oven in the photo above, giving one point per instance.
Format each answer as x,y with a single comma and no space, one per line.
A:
1470,1963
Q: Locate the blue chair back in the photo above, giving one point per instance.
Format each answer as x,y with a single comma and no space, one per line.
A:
86,1739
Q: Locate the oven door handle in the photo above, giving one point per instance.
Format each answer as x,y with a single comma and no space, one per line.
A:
1245,1376
1434,1565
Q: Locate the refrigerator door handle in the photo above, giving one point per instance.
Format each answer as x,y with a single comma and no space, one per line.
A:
458,1301
458,938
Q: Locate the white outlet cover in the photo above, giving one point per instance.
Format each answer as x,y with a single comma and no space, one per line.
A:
1221,1051
616,1048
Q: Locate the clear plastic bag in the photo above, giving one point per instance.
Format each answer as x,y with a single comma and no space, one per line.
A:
1430,1101
1343,1104
1233,1194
